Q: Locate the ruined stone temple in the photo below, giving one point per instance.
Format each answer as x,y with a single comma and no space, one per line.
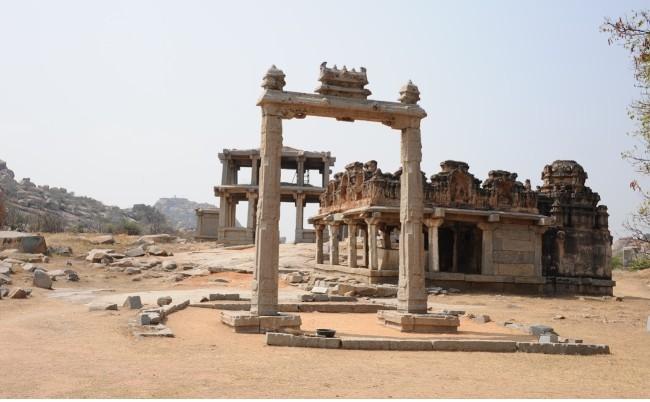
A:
453,229
232,191
498,235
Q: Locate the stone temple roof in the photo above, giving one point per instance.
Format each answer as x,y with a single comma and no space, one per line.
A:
286,152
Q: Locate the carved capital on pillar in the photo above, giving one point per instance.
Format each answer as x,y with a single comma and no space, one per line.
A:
402,123
487,226
433,222
251,195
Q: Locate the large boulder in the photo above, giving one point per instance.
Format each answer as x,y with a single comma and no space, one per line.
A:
98,254
135,252
42,279
23,242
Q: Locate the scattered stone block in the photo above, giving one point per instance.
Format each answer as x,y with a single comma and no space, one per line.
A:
64,251
163,301
320,290
6,269
540,329
278,339
135,252
548,338
19,293
156,238
5,279
223,296
196,272
71,275
101,306
42,280
158,251
422,323
336,298
454,312
133,302
132,271
4,292
104,239
55,274
562,348
98,255
149,318
559,317
169,265
481,319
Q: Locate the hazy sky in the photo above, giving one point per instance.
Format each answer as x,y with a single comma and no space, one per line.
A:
130,101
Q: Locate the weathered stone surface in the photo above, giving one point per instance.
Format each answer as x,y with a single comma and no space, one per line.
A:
149,318
133,302
4,292
548,338
422,323
223,296
97,255
540,329
132,271
6,269
135,252
196,272
469,345
42,280
163,301
23,242
104,239
562,348
101,306
55,273
319,290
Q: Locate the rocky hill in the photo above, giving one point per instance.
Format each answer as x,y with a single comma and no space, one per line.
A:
53,209
180,212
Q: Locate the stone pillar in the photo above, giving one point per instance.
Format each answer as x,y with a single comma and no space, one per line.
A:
487,248
264,300
386,238
326,171
537,232
252,198
411,295
334,243
255,173
433,262
300,207
224,208
319,243
373,256
352,244
454,258
300,171
225,170
364,235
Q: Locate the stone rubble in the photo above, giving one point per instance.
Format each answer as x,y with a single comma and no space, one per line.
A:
42,279
133,303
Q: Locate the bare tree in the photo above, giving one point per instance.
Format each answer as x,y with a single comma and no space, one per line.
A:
633,33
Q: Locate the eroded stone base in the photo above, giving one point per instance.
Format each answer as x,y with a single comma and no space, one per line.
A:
245,322
421,323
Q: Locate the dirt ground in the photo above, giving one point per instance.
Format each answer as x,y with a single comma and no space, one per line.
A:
51,346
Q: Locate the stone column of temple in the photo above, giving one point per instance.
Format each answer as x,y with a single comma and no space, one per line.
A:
364,235
454,258
537,233
433,262
411,285
300,171
264,300
352,244
199,222
252,197
255,170
373,256
411,294
224,208
319,243
326,171
300,206
225,170
334,243
487,248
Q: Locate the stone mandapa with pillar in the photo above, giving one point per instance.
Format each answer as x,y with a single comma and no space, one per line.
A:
341,95
231,191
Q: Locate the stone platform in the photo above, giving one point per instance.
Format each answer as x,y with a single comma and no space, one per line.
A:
421,323
245,322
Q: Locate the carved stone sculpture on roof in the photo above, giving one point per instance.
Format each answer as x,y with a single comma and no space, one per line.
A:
504,192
